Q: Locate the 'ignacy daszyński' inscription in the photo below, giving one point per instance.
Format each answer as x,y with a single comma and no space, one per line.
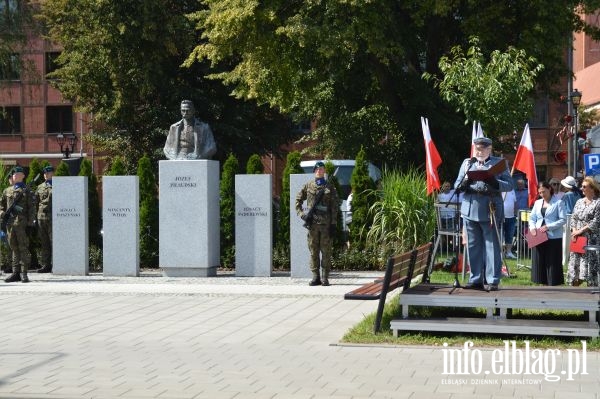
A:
182,182
253,211
119,212
68,213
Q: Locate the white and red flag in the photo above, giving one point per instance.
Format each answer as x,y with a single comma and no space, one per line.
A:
525,162
432,159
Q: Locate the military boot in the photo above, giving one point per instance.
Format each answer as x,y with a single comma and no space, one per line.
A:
45,269
16,276
25,279
316,279
325,278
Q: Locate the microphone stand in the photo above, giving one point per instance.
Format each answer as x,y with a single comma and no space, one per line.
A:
458,235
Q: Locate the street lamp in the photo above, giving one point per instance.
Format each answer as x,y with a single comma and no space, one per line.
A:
67,144
575,100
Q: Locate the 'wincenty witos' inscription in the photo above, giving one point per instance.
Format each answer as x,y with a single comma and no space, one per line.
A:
119,212
182,182
68,213
253,211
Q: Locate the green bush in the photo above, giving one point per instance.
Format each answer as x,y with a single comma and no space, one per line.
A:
354,259
117,168
254,165
95,259
292,166
403,215
62,169
95,213
230,168
148,213
362,200
339,239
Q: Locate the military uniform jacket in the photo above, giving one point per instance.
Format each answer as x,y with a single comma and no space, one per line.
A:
478,195
327,209
43,196
24,213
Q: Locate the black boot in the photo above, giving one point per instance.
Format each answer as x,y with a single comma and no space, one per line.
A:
16,276
316,279
326,278
25,279
45,269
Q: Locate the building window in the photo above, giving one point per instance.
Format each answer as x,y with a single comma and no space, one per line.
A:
540,113
11,67
10,120
51,64
59,119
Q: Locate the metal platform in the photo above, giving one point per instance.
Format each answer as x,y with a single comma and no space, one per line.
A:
499,306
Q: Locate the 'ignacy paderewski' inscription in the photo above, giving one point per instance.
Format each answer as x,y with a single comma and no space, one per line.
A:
190,138
253,211
68,213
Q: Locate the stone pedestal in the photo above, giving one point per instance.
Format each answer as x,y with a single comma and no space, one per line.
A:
299,255
121,226
70,243
253,226
189,228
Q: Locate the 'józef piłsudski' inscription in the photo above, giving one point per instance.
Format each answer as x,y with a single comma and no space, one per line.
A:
253,211
119,212
68,213
182,182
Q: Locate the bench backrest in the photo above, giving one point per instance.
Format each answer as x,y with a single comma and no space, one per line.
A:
422,258
398,271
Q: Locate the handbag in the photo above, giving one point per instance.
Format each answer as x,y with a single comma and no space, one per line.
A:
578,245
535,240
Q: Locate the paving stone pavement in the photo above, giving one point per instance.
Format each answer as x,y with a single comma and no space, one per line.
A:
227,337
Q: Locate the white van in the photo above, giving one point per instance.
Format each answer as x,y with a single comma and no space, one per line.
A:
343,172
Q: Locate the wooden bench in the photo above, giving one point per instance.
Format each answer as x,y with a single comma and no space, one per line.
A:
399,272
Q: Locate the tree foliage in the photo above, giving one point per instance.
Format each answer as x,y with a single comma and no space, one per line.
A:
497,92
356,66
148,214
230,168
121,61
117,168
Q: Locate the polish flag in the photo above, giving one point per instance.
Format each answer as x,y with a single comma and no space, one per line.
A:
433,160
477,132
525,162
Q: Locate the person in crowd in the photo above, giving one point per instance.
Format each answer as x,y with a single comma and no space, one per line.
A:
547,215
322,200
447,212
522,196
43,196
555,183
572,193
17,200
510,220
482,211
585,221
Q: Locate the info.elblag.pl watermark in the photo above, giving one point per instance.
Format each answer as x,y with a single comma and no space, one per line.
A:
511,364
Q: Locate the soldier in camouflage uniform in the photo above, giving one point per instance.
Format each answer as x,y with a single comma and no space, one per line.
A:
43,196
321,228
5,258
20,220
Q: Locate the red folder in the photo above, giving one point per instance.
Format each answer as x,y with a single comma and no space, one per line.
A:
579,244
534,240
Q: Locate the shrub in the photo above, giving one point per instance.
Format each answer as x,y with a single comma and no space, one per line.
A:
403,215
230,168
362,200
292,166
148,214
254,165
95,213
117,168
62,169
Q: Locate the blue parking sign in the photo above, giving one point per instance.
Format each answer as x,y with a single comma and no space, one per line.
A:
592,164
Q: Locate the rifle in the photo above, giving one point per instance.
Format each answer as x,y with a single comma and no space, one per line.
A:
311,212
14,207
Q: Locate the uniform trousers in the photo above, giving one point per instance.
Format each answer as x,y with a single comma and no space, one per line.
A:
484,252
320,247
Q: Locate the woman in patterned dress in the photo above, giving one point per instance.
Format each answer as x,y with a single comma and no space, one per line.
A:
586,221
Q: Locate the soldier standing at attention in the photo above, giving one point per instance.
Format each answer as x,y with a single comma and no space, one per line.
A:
5,258
18,200
44,219
322,202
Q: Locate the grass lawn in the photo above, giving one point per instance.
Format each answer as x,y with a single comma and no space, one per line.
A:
362,333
